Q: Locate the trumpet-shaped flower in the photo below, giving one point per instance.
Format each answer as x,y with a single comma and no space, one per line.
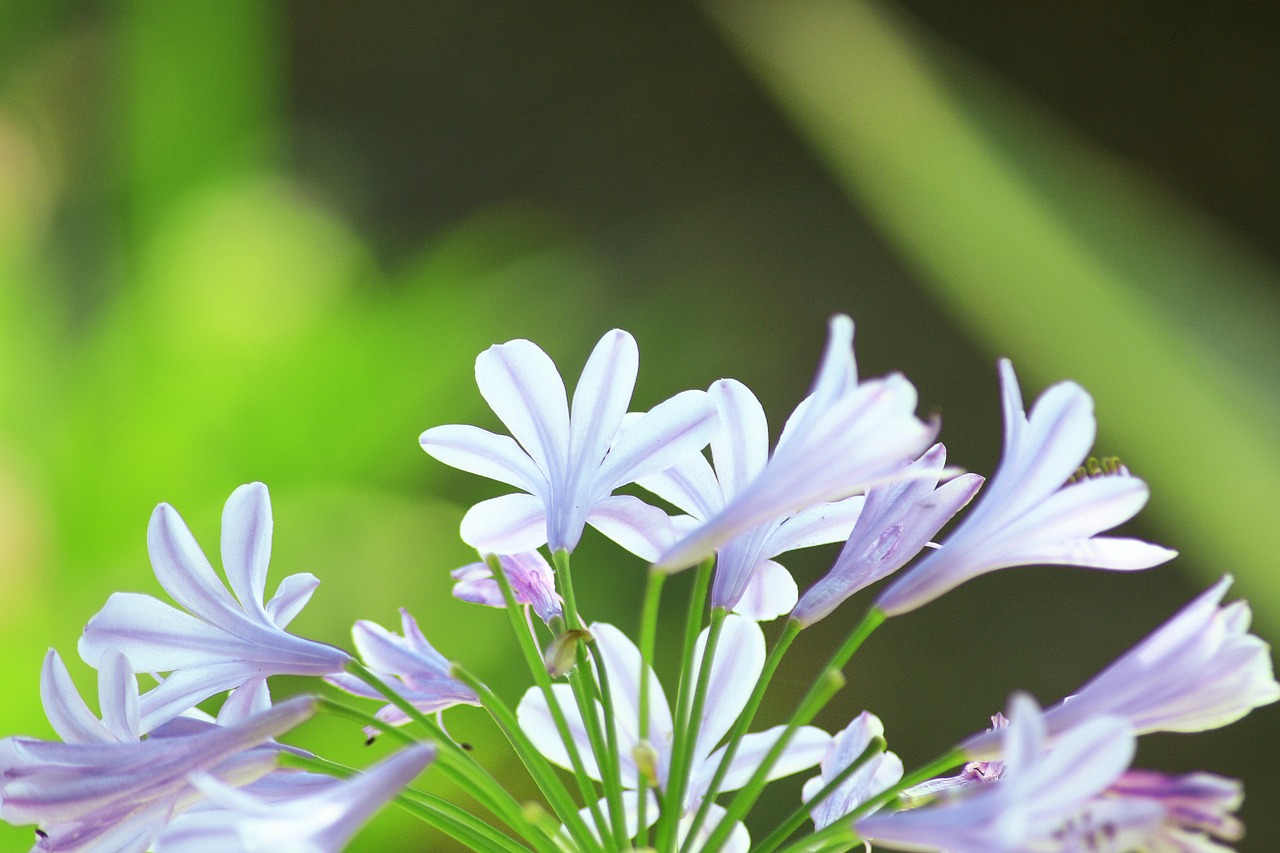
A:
1200,670
1039,804
105,790
878,774
737,664
1197,809
899,519
1026,515
567,463
843,437
409,665
291,812
747,579
532,581
226,637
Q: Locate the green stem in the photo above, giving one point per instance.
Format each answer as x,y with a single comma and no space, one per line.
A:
532,657
798,817
934,768
338,709
604,745
442,815
454,762
743,723
648,638
828,683
685,749
669,819
839,836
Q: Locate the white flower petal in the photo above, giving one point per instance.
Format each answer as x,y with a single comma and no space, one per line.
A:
741,447
600,401
181,568
506,525
664,436
735,669
67,711
522,386
771,592
642,529
246,545
537,722
478,451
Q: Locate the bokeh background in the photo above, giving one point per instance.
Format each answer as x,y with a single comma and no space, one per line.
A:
265,240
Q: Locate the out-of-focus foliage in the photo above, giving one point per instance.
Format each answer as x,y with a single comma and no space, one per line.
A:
210,273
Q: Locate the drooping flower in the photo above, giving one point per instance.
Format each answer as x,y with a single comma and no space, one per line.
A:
1032,511
876,775
1039,804
567,462
291,813
223,640
104,789
899,519
1199,809
747,579
532,581
973,773
736,667
1200,670
843,437
409,665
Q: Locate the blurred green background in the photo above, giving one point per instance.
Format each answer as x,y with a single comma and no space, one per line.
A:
263,240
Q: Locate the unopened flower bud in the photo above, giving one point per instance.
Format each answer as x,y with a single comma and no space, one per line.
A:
562,655
646,759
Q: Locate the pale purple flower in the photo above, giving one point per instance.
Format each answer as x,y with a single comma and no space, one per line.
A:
409,665
291,813
1199,809
899,519
1200,670
567,462
881,772
747,579
224,639
105,790
532,581
1039,802
735,669
845,436
1029,512
973,773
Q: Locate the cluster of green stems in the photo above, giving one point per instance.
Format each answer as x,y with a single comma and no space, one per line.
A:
565,829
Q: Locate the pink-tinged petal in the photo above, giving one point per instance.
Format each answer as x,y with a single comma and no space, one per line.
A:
600,401
291,596
898,521
118,697
246,545
741,447
807,747
1051,443
735,669
320,820
1080,510
664,436
182,690
771,592
1100,552
506,525
481,452
820,524
156,636
642,529
690,485
538,724
248,699
67,711
522,386
183,571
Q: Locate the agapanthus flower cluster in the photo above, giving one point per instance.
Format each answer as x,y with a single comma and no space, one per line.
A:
195,758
